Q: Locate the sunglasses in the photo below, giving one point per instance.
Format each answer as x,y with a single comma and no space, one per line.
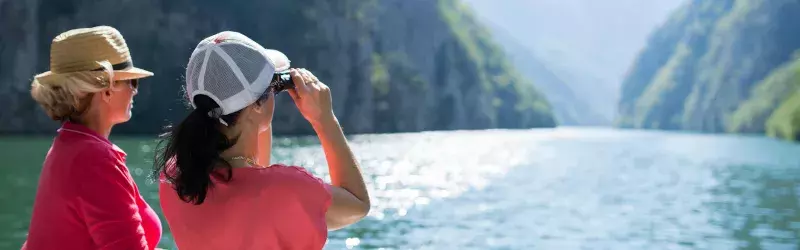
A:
281,81
133,83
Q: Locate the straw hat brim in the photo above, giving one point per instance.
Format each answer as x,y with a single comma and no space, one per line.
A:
132,73
119,75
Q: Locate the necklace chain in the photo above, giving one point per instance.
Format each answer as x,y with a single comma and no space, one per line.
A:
249,161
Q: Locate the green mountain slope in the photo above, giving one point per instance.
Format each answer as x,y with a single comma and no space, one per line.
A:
715,66
767,96
785,121
392,65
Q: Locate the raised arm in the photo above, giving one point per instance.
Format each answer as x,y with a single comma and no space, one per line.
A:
350,199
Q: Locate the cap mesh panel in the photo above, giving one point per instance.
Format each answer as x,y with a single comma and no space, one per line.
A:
195,64
219,79
250,62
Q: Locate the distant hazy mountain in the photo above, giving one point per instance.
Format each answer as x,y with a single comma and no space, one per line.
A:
720,66
568,108
587,44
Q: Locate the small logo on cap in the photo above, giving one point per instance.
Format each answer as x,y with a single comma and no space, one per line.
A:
220,38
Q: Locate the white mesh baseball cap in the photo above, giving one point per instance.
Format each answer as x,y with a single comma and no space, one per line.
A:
232,70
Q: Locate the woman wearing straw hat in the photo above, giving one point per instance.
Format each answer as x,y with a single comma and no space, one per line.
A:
218,190
86,198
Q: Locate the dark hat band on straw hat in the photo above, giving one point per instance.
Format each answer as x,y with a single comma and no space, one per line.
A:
119,66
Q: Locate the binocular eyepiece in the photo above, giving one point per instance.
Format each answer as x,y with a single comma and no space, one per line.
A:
281,81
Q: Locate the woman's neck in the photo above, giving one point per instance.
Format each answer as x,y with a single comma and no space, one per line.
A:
265,146
101,128
251,144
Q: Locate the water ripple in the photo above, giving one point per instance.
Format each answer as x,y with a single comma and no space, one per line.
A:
526,189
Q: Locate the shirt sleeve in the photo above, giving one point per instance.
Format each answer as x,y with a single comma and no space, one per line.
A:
320,192
107,201
327,196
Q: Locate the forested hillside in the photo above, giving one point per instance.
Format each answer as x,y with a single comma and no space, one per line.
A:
719,66
392,65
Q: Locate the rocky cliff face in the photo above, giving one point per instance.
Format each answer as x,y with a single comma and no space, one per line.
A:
702,70
393,66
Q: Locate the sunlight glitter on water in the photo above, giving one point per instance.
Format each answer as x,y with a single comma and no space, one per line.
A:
425,166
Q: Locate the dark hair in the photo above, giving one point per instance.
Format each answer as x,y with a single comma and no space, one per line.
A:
194,146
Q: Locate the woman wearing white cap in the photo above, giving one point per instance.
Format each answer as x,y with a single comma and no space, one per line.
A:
86,198
217,188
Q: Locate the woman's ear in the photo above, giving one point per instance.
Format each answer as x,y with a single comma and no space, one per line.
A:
259,109
248,114
106,95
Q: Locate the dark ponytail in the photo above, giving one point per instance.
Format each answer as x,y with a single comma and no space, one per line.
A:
191,155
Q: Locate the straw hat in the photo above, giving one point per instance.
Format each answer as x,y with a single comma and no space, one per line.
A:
82,50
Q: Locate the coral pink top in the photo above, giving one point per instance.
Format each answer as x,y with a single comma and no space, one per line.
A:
87,199
279,207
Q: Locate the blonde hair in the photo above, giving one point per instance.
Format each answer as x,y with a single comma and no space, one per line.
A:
69,94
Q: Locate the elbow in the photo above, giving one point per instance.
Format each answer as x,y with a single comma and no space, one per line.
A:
357,213
363,210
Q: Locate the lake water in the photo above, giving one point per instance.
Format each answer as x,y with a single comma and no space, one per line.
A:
561,188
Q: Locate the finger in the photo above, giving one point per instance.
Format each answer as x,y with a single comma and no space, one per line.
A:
301,73
301,86
311,76
324,86
310,79
318,85
315,85
297,78
306,76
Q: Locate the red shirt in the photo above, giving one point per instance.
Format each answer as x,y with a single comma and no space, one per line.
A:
87,199
279,207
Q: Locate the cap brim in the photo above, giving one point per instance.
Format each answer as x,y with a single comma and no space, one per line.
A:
280,60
